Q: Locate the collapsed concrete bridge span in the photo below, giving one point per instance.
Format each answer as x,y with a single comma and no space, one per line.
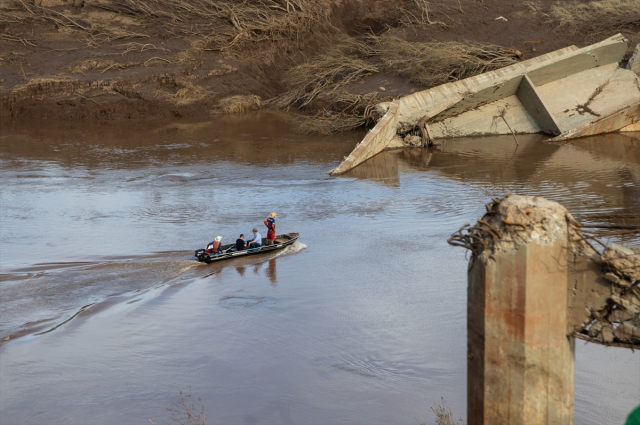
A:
566,94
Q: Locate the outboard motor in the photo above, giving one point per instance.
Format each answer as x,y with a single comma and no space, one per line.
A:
202,256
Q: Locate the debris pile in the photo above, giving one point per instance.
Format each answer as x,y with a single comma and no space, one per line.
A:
619,321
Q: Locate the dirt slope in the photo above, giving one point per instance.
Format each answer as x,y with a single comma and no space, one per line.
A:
116,59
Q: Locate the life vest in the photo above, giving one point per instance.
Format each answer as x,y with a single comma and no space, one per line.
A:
271,224
213,247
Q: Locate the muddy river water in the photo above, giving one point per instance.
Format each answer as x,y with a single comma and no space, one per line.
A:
362,322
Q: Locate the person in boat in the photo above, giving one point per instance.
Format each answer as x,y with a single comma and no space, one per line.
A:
215,247
271,228
256,241
240,243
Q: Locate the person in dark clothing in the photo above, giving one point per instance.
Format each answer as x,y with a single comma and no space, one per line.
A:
240,243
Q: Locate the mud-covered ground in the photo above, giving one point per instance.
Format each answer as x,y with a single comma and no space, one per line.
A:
121,59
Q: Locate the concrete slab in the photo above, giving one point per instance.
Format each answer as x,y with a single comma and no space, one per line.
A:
378,139
495,85
615,121
533,103
413,107
634,60
567,90
486,120
631,127
589,95
610,51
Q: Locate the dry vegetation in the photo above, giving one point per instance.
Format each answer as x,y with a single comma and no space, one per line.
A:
421,14
431,64
186,412
214,25
268,33
595,16
444,415
131,49
340,64
241,103
348,60
114,32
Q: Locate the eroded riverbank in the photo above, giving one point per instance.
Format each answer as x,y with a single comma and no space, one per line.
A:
97,60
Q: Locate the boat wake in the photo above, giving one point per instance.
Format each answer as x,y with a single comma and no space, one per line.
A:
187,265
294,248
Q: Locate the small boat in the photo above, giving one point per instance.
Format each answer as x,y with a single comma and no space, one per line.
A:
230,251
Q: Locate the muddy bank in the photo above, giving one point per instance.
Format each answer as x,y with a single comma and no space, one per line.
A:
98,59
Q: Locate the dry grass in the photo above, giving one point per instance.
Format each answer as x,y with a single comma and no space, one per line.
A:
263,30
222,25
10,16
267,23
427,64
103,66
348,60
341,112
186,412
431,64
342,63
593,17
226,25
444,415
16,39
93,34
187,93
420,15
240,103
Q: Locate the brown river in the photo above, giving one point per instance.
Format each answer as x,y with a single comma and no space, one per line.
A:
361,322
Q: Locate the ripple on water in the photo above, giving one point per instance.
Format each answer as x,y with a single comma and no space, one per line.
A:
372,367
378,303
235,301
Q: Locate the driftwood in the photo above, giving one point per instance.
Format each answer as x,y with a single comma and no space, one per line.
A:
427,140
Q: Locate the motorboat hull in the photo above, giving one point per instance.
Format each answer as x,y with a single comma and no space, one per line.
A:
229,251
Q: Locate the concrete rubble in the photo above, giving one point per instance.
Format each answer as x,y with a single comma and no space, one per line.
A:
566,94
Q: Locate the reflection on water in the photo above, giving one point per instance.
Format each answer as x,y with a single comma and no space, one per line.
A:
265,139
383,167
366,325
604,169
271,273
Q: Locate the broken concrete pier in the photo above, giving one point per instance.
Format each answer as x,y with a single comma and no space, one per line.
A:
565,94
535,283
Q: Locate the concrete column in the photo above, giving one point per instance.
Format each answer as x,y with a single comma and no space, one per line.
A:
520,360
